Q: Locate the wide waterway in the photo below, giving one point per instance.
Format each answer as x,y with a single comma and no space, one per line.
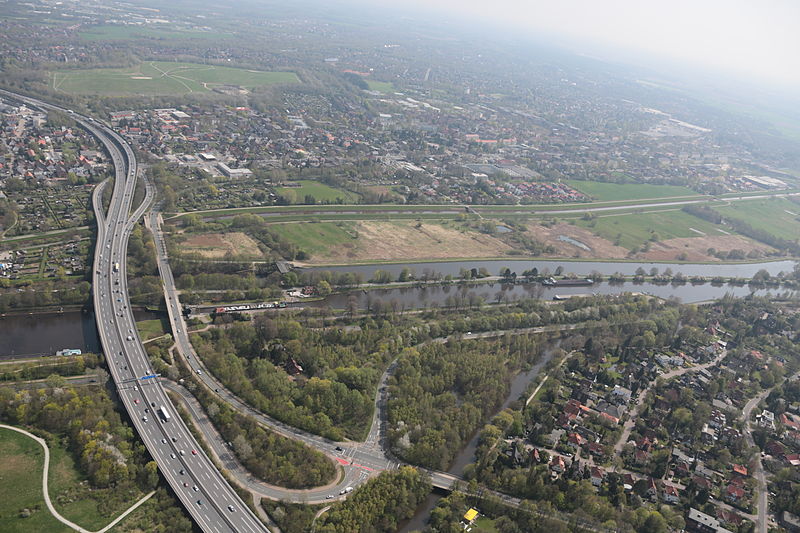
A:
581,268
43,334
458,294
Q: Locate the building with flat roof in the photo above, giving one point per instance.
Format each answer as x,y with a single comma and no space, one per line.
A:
229,172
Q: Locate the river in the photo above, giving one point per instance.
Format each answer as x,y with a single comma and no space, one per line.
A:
407,298
42,334
581,268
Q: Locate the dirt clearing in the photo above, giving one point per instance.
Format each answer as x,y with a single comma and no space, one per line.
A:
401,240
219,245
572,241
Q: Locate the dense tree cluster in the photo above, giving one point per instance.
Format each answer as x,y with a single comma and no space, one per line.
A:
378,505
440,394
269,456
333,396
104,447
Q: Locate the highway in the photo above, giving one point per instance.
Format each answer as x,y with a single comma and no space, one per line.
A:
359,460
201,488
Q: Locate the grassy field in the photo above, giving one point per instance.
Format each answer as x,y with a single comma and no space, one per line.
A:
382,86
635,228
150,329
21,462
163,78
319,191
777,216
162,33
317,238
602,192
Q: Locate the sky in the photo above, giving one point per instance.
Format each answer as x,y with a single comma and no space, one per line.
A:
756,39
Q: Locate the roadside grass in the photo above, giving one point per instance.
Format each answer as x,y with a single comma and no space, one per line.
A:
634,229
150,329
163,78
320,192
602,191
777,216
317,238
382,86
21,463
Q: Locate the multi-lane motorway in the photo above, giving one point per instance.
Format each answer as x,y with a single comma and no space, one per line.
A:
202,489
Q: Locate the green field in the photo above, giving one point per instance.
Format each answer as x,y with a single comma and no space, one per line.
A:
603,192
159,32
634,229
163,78
21,462
382,86
316,238
150,329
320,192
777,216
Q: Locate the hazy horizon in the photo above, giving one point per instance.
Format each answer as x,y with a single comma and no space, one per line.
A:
746,40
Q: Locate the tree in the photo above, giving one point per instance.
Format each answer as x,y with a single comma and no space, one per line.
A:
324,288
655,523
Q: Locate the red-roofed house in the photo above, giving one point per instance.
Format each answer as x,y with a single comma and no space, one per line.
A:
671,494
734,493
740,470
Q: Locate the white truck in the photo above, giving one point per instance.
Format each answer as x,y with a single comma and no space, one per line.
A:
164,414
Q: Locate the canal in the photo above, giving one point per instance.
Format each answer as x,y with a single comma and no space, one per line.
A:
35,335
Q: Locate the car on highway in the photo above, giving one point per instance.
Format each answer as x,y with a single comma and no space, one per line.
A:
174,439
172,455
330,497
185,484
163,441
194,452
199,502
181,471
194,488
231,508
182,452
136,400
144,419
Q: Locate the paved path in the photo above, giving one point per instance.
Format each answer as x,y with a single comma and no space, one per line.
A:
50,507
634,415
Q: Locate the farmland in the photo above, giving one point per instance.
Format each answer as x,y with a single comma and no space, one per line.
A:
634,229
127,33
374,240
318,238
778,216
163,78
322,193
603,192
